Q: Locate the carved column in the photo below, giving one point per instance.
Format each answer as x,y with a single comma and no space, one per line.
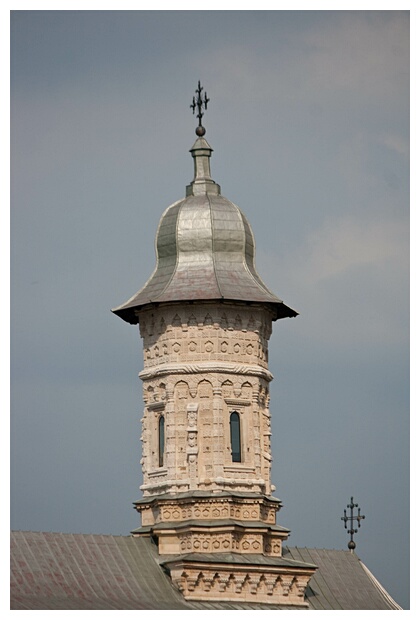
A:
256,418
218,433
192,445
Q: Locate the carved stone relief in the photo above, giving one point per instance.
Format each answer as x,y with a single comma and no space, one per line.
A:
227,332
250,584
183,341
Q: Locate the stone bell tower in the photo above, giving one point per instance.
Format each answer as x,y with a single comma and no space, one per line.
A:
205,317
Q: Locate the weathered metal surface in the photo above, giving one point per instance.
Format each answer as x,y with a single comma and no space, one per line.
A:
83,571
76,571
205,250
342,581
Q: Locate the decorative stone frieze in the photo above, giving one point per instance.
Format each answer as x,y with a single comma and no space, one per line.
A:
247,583
211,332
221,536
164,509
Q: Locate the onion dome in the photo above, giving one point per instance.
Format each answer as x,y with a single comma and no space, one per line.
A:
205,250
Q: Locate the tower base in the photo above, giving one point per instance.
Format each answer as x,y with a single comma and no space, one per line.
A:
224,547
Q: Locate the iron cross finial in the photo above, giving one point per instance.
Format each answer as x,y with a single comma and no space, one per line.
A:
352,518
198,102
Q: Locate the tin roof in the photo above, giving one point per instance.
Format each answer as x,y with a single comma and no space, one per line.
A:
205,250
87,571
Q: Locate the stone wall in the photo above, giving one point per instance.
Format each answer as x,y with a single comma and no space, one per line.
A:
201,363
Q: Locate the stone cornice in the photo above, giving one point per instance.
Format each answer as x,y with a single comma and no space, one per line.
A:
157,406
238,402
205,367
202,496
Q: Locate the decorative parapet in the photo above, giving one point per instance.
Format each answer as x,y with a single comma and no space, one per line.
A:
201,579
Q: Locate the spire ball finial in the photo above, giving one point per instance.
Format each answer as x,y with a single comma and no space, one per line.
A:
198,102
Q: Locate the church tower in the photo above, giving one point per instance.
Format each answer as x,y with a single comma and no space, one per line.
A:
205,317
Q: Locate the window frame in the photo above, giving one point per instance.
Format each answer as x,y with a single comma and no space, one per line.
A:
235,436
161,440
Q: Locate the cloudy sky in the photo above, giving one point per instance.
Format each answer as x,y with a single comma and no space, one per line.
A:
309,122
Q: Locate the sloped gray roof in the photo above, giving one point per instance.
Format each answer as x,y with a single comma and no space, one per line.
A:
342,581
91,571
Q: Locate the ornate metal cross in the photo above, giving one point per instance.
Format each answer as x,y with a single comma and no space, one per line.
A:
199,102
352,518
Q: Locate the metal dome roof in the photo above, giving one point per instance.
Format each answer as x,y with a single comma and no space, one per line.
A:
205,250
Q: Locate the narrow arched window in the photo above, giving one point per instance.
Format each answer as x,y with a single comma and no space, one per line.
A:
235,437
161,439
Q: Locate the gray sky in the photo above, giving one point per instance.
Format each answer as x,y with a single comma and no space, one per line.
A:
309,122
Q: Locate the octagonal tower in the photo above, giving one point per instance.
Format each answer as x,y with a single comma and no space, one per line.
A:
205,317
